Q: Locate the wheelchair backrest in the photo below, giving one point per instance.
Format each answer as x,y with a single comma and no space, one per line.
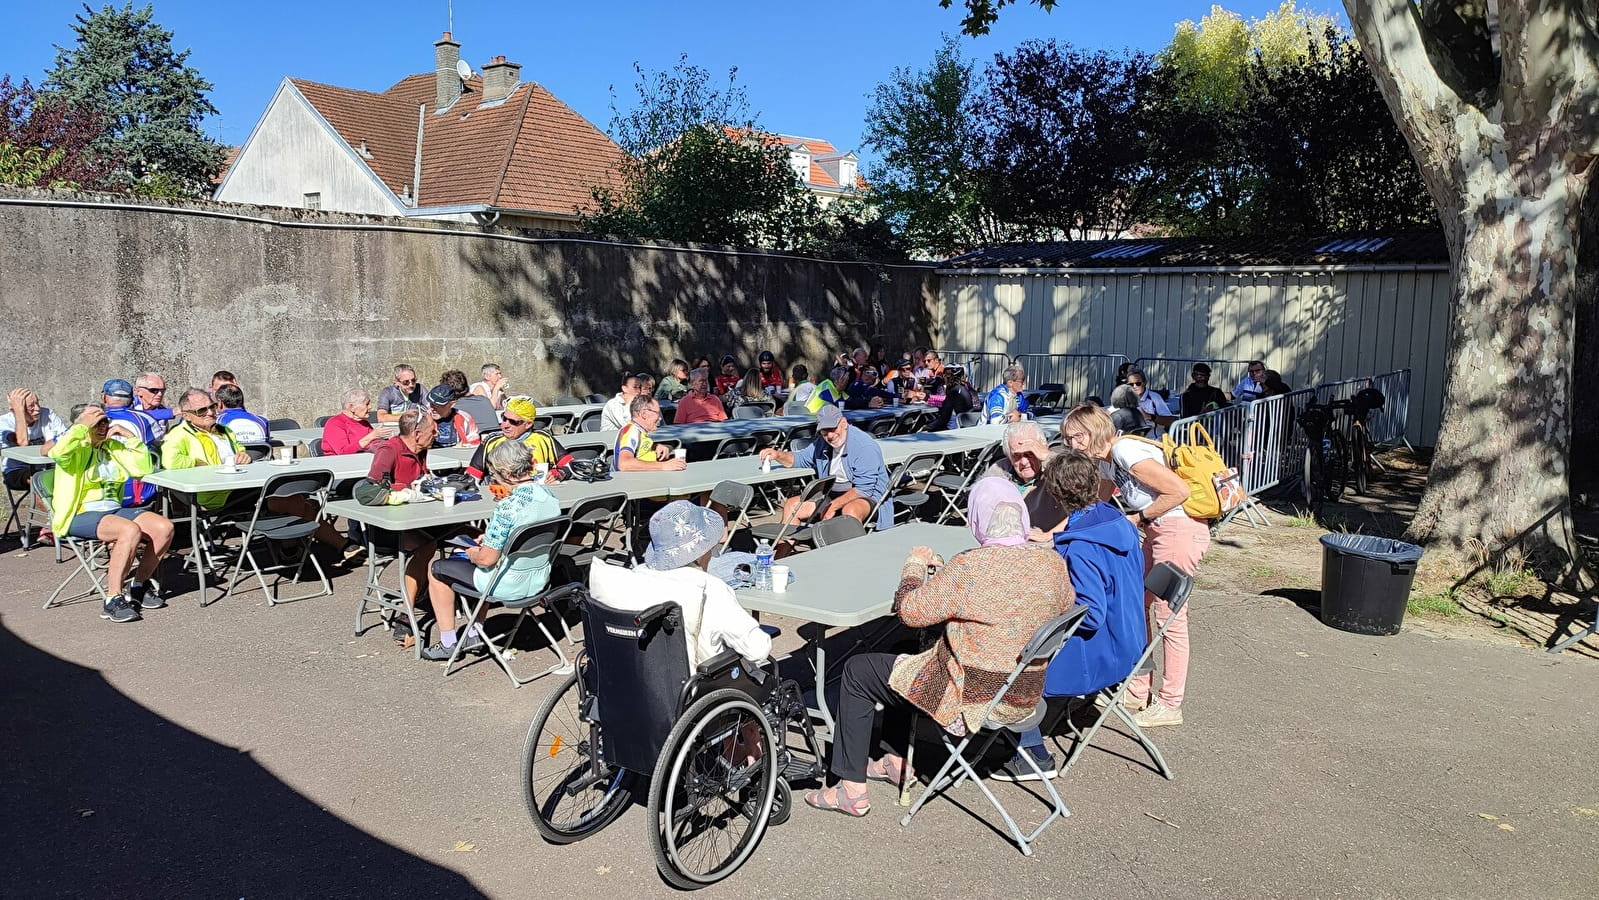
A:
637,668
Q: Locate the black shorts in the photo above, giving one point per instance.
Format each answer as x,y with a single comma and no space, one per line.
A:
455,571
86,525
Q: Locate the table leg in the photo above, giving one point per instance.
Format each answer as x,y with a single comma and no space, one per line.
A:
816,635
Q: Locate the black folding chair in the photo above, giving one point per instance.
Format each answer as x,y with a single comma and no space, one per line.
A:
258,452
734,446
271,531
883,426
954,486
836,530
322,421
751,411
559,423
594,522
1167,582
814,493
1040,649
923,468
590,420
316,447
805,432
535,541
735,497
968,420
282,424
596,398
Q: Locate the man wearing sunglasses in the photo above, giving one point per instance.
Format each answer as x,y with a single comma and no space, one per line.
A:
1150,403
150,394
516,424
405,393
1253,385
199,440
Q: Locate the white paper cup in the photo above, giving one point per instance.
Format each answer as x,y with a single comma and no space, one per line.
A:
448,496
285,454
681,453
228,466
779,579
542,468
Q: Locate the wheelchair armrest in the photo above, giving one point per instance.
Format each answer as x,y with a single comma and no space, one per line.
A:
772,630
719,663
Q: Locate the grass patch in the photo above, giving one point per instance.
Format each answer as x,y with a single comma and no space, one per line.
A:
1302,518
1513,582
1261,572
1441,605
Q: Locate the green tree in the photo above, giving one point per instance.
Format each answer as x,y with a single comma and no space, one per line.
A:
1503,122
43,141
928,182
123,65
701,169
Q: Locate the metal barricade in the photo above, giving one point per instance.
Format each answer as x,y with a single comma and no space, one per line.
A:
1386,425
1083,375
1228,428
982,369
1171,373
1277,443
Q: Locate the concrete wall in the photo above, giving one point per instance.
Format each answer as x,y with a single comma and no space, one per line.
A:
304,305
1312,326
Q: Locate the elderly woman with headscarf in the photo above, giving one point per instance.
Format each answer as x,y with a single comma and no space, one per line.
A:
991,600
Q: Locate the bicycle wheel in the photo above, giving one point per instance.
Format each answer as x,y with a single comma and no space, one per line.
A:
1310,481
713,790
1360,460
569,789
1337,466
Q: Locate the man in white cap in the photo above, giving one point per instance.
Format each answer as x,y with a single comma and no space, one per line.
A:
682,539
854,461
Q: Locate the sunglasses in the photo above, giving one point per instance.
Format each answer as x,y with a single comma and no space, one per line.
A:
202,411
510,421
406,383
1136,383
159,390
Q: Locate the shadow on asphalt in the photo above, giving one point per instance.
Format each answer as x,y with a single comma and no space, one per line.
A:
1305,598
104,798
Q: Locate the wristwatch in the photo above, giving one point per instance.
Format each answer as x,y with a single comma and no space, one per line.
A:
1144,520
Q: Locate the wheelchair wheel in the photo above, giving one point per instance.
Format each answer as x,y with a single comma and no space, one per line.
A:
710,803
569,789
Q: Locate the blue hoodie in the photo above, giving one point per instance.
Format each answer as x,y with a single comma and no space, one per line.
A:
1107,572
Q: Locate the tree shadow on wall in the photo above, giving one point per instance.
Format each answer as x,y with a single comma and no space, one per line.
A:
602,307
104,798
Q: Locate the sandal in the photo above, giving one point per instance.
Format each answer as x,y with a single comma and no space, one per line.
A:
879,770
855,807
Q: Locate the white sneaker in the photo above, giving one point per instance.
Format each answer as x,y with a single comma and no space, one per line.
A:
1158,714
1129,702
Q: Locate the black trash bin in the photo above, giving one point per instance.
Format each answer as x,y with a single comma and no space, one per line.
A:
1365,581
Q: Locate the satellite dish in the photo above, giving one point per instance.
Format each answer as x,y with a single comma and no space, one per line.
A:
463,69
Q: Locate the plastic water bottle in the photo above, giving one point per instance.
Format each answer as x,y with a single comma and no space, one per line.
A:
763,566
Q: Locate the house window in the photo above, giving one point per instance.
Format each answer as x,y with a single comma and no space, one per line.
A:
313,200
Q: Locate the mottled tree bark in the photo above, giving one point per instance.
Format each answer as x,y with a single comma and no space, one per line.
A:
1507,151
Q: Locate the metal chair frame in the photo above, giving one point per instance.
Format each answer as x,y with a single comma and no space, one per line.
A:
954,487
91,554
813,493
264,525
737,497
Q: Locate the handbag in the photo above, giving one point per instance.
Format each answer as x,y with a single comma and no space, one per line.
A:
371,492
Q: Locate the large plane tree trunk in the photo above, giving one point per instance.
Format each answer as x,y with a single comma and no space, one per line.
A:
1505,141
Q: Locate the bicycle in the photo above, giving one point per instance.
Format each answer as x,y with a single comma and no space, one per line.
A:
1333,459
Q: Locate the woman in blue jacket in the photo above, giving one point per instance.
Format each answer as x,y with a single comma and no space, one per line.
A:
1106,569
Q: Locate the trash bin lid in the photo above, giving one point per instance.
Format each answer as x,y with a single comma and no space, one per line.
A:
1370,546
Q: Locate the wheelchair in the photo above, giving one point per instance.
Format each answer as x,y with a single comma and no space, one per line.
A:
710,746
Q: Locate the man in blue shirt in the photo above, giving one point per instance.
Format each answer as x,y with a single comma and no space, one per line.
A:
852,458
117,396
150,390
248,427
1005,403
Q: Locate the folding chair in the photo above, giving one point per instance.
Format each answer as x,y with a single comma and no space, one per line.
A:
733,447
24,514
814,493
805,432
590,420
258,452
567,400
736,497
751,411
272,530
883,427
596,398
559,423
968,420
1041,648
919,421
767,437
316,446
836,530
953,486
322,421
593,522
282,425
537,541
1167,582
90,554
923,468
586,452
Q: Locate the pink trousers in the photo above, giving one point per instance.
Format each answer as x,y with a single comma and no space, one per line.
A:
1182,542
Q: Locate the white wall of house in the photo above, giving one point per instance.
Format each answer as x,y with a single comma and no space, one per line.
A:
1312,326
293,152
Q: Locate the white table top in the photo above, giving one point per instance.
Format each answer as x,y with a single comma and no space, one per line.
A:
854,582
211,478
409,516
32,454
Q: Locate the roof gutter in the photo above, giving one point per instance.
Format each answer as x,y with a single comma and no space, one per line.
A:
1199,270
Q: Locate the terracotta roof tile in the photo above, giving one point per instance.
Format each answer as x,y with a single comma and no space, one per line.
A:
529,152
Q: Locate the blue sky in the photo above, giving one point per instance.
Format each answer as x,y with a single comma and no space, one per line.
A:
807,67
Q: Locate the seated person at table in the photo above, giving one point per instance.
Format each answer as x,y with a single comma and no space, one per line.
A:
1005,403
248,427
771,373
495,386
1124,411
456,380
405,393
827,392
94,460
683,538
516,425
1026,451
674,384
748,392
527,502
1253,385
40,427
990,601
1150,403
221,377
116,398
800,385
150,398
1106,568
698,405
1201,396
350,431
901,379
615,414
868,392
855,462
955,397
728,377
400,461
455,427
635,452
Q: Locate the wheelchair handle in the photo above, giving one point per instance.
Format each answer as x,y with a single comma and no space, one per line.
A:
658,611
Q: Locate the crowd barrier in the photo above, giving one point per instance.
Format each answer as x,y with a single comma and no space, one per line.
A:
1386,425
982,369
1084,375
1171,372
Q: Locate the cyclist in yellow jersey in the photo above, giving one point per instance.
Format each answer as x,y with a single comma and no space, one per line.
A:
635,451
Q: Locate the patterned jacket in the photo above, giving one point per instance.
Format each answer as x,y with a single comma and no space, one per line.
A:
991,600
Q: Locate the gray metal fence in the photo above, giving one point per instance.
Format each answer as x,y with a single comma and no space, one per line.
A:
982,369
1386,425
1083,375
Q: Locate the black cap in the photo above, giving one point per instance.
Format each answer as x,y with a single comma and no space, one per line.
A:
441,395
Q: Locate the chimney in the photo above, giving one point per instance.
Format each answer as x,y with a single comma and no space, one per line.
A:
447,81
500,78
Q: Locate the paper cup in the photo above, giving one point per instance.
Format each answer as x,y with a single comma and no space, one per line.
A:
448,496
228,467
285,454
681,453
542,468
779,579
